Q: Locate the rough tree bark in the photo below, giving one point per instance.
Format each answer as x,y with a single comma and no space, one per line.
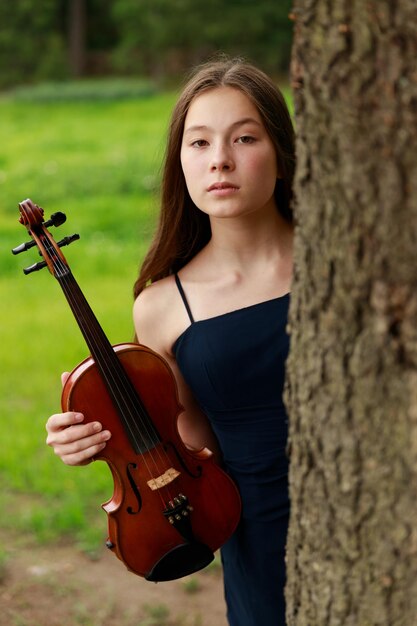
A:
352,370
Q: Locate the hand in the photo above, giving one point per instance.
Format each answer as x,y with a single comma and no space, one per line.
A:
74,442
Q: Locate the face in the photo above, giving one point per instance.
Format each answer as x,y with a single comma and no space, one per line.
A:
228,159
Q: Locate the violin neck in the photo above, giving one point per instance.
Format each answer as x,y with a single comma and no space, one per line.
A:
137,422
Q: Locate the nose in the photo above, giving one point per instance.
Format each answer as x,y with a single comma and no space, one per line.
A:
222,158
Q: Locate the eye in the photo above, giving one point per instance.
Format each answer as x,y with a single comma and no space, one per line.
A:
245,139
199,143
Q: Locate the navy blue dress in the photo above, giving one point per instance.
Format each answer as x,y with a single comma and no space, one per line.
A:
234,364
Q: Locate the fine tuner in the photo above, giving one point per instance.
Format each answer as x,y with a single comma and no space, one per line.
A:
56,219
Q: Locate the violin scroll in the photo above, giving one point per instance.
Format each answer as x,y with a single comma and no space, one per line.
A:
30,213
32,217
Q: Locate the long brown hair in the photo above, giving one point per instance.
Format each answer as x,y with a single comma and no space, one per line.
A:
183,229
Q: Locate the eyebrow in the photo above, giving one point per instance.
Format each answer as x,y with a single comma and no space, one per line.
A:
245,120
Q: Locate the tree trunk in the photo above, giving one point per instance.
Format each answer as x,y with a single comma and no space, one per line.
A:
77,23
352,369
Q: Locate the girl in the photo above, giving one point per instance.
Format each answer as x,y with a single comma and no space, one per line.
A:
219,274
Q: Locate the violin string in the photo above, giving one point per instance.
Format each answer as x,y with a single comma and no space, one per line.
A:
84,322
110,378
62,273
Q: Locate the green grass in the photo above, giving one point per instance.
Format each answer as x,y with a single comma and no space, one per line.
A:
99,162
84,90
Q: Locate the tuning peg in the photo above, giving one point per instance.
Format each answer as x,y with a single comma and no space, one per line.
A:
23,247
38,266
56,219
34,268
67,240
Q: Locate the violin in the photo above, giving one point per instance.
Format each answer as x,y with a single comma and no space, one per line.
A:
171,508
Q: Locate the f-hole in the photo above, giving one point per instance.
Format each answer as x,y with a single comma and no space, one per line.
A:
134,489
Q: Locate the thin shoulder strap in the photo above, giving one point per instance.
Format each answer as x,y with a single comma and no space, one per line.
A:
184,299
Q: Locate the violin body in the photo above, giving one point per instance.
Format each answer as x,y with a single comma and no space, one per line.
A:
139,533
171,508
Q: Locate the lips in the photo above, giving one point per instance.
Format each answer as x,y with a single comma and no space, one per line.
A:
222,186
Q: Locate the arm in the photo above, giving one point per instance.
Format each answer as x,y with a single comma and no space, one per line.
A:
159,319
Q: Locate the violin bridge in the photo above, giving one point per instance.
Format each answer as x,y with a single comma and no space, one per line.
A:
165,479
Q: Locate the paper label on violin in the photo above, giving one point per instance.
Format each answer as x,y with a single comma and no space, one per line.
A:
165,479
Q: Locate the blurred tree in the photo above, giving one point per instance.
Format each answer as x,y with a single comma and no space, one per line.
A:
53,39
32,45
352,370
47,39
101,36
159,36
77,22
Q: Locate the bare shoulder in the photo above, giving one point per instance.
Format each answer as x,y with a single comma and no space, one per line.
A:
154,297
158,315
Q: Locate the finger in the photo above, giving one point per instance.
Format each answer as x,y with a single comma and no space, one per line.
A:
64,377
83,457
76,434
79,437
62,420
63,448
81,445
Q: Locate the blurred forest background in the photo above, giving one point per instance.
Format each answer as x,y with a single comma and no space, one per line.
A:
86,90
59,39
